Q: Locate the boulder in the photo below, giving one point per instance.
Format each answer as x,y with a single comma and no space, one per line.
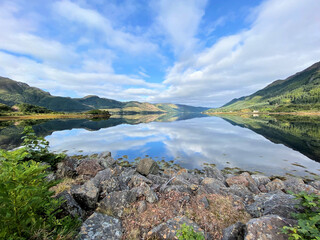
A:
185,178
69,206
260,179
234,232
89,168
267,228
252,186
138,180
156,179
86,195
276,184
105,160
67,168
110,185
296,185
237,180
145,190
168,230
147,166
125,177
178,188
100,227
213,172
241,191
212,185
277,203
102,176
115,203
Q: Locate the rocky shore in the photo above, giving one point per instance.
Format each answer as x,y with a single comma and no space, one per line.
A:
145,201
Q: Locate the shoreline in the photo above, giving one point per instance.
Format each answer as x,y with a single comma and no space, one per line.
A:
148,201
266,113
52,116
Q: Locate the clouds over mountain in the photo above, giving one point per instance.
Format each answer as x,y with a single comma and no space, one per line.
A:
191,52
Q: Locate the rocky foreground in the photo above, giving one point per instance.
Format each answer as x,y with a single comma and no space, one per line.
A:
146,202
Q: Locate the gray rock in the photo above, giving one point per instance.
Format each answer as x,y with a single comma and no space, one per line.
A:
185,178
106,160
296,185
267,228
168,230
276,184
101,176
241,191
86,195
89,168
145,190
110,185
260,179
252,184
156,179
142,206
100,227
67,168
51,177
150,195
277,203
69,206
177,188
234,232
315,184
115,203
125,177
213,172
212,185
147,166
205,202
237,180
138,180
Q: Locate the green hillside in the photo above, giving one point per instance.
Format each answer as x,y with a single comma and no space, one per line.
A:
14,93
300,92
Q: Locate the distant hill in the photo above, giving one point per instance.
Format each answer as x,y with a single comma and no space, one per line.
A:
13,93
299,92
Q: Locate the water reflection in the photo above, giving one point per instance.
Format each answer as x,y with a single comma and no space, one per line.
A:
194,141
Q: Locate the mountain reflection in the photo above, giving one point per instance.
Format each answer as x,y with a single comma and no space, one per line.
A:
192,142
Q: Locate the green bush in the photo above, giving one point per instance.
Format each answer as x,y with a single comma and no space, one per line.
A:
98,112
37,148
187,233
308,221
27,207
29,108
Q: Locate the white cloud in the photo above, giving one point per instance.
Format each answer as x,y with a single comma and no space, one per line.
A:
114,37
179,21
284,38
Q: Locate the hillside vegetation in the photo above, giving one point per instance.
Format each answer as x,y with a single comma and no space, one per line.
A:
300,92
13,93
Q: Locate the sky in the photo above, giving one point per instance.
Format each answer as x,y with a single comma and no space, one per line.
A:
195,52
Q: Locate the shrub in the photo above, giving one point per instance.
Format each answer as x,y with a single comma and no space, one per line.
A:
27,208
308,221
98,112
37,148
29,108
187,233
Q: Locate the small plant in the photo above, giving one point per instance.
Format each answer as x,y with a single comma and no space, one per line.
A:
27,207
38,148
187,233
308,221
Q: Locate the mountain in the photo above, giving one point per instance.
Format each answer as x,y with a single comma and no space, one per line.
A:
13,92
299,92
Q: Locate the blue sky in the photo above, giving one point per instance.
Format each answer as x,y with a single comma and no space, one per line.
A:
196,52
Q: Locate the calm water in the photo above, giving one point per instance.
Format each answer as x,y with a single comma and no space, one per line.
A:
250,144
